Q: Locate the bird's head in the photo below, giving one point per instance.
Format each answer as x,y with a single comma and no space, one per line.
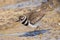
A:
20,18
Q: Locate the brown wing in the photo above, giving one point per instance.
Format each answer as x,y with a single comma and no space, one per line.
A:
35,16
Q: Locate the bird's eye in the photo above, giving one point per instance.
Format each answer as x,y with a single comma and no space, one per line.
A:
22,18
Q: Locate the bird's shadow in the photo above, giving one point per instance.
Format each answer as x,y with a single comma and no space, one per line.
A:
33,33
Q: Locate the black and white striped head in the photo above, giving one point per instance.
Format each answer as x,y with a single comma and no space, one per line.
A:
23,20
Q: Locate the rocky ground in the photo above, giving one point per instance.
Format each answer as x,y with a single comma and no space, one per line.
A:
50,22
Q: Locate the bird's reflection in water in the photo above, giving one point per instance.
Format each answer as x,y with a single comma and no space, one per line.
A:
33,33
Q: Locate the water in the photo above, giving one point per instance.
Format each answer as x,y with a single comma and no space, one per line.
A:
33,33
26,34
24,4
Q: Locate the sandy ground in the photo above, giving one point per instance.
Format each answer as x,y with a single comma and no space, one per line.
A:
8,25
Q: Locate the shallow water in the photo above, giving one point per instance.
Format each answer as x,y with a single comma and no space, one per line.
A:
26,34
24,4
33,33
